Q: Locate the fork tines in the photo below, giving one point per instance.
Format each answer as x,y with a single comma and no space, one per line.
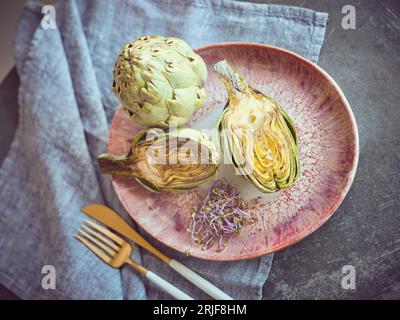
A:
99,240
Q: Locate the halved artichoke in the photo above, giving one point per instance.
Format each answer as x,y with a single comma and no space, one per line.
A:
257,134
164,160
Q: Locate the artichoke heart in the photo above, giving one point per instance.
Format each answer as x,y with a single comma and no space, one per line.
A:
257,134
166,160
159,81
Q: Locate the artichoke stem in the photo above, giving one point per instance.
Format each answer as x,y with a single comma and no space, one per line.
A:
233,81
119,165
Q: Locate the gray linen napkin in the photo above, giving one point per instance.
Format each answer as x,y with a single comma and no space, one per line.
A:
66,105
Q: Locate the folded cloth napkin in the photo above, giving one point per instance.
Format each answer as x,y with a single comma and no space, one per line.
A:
66,106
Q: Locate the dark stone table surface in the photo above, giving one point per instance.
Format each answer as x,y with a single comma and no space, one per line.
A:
365,230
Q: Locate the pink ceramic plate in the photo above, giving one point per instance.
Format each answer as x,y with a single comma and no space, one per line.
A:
328,151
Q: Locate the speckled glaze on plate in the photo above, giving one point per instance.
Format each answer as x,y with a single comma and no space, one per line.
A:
328,152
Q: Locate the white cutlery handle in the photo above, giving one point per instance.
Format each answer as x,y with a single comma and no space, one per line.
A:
199,281
166,286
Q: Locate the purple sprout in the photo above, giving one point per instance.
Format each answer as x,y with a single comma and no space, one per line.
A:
221,215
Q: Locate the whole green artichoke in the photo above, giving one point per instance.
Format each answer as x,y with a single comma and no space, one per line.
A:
159,81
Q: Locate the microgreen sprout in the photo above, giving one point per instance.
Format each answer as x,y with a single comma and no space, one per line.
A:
221,215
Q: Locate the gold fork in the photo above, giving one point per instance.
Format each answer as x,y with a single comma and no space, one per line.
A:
116,252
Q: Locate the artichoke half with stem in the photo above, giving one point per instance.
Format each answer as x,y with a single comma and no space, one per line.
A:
257,134
159,81
171,160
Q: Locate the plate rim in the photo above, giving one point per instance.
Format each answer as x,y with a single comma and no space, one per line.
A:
328,213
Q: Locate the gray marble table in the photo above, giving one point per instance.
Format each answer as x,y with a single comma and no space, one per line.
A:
364,232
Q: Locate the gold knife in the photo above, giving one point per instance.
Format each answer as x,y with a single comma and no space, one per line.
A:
112,220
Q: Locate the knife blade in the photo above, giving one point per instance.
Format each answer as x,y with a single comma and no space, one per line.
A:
112,220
